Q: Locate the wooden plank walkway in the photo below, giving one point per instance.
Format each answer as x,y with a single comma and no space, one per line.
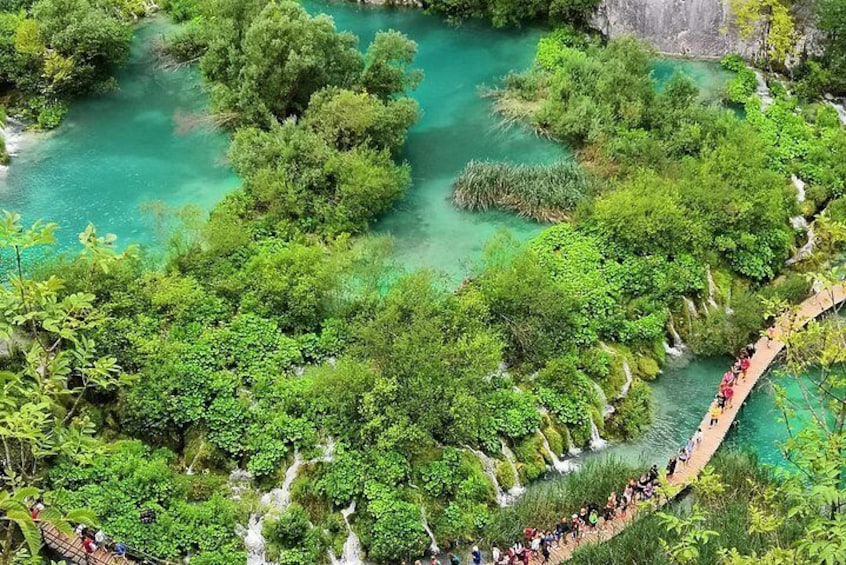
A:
71,550
712,438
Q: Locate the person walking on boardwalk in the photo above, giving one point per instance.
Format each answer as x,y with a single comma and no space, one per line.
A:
715,412
545,552
476,555
728,392
770,335
697,437
671,466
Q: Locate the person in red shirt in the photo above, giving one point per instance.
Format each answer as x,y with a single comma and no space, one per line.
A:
744,366
88,544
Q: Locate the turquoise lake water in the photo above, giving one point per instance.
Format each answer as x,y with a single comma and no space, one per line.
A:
119,151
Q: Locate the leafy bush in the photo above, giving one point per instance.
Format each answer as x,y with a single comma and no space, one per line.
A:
733,62
132,477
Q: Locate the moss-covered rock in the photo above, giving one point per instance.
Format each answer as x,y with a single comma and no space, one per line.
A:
647,368
530,452
505,475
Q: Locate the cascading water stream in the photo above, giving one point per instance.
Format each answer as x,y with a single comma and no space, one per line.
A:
762,91
712,288
12,134
572,450
517,489
691,307
276,501
607,409
838,107
557,463
677,349
596,441
624,390
489,468
806,250
351,554
433,547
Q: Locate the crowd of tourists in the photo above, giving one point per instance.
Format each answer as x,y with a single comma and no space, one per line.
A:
538,544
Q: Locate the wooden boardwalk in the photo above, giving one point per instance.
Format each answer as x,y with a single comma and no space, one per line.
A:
71,550
712,438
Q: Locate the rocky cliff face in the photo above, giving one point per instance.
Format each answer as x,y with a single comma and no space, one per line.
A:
700,28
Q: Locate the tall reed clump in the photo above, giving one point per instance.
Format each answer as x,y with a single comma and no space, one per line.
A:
545,503
542,192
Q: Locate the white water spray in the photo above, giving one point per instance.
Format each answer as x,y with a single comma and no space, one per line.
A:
624,390
433,547
489,467
712,288
557,463
762,91
806,250
275,502
573,451
12,133
351,554
596,441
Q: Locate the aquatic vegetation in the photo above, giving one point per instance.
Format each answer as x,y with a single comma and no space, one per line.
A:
546,193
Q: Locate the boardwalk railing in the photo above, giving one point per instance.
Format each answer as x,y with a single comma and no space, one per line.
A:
70,548
766,352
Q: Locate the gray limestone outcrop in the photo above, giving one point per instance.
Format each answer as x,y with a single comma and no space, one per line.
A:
700,28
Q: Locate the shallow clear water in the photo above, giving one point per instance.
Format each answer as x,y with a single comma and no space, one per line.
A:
456,126
117,151
683,393
707,75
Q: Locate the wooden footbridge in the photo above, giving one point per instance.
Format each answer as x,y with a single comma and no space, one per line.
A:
765,353
70,549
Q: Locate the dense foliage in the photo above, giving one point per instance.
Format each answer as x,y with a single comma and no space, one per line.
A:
51,50
273,341
514,12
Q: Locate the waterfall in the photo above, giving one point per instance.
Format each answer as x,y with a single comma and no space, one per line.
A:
433,547
798,222
517,489
275,501
806,250
607,409
596,441
351,554
573,450
489,467
557,463
691,307
678,347
838,107
712,288
254,541
12,134
624,391
762,91
800,188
